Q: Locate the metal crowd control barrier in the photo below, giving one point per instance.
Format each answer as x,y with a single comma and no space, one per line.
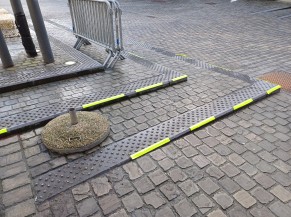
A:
99,22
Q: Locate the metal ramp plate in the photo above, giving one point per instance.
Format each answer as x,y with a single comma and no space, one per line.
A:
85,65
115,154
38,116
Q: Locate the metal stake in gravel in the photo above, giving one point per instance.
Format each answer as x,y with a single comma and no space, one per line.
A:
75,132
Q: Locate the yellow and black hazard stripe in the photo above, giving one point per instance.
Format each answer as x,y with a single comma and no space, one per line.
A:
201,124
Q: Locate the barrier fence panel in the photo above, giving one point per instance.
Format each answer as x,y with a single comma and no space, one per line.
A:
99,22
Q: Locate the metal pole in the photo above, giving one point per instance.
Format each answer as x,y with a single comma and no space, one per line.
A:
40,31
4,52
22,27
73,115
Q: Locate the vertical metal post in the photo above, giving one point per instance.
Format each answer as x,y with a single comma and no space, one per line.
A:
4,52
73,115
40,31
22,27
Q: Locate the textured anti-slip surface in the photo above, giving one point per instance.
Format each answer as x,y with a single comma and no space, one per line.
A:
73,173
40,115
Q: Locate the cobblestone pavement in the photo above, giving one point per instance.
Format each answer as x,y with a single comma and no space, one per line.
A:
238,166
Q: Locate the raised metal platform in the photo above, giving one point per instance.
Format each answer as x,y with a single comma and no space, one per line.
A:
13,80
39,116
115,154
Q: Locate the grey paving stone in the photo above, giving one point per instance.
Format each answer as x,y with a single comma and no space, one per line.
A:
87,207
280,209
123,187
158,155
265,167
58,162
184,162
201,161
17,195
230,170
281,154
171,151
63,205
11,170
252,146
244,198
282,178
38,159
285,168
216,159
205,150
262,195
182,143
223,200
189,151
165,211
10,159
109,203
166,164
267,156
193,140
116,175
228,131
237,211
208,186
211,141
249,169
215,172
264,180
133,170
194,173
25,208
238,148
170,191
184,208
189,187
176,174
132,202
236,159
146,164
216,213
119,213
223,150
251,158
8,140
203,203
155,199
9,149
158,177
267,145
81,191
143,185
261,212
244,181
282,193
101,186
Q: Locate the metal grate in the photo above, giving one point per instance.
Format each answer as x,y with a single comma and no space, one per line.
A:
281,78
58,180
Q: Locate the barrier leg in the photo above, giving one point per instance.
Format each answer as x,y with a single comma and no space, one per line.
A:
4,52
22,27
40,31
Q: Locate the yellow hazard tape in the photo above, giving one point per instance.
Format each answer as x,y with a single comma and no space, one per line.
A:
179,78
4,130
150,148
273,89
135,55
148,87
201,123
181,55
103,101
244,103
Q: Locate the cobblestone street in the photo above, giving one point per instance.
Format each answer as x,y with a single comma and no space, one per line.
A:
237,166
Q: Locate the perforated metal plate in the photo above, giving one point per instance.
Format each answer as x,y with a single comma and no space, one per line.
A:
67,176
84,65
38,116
198,63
